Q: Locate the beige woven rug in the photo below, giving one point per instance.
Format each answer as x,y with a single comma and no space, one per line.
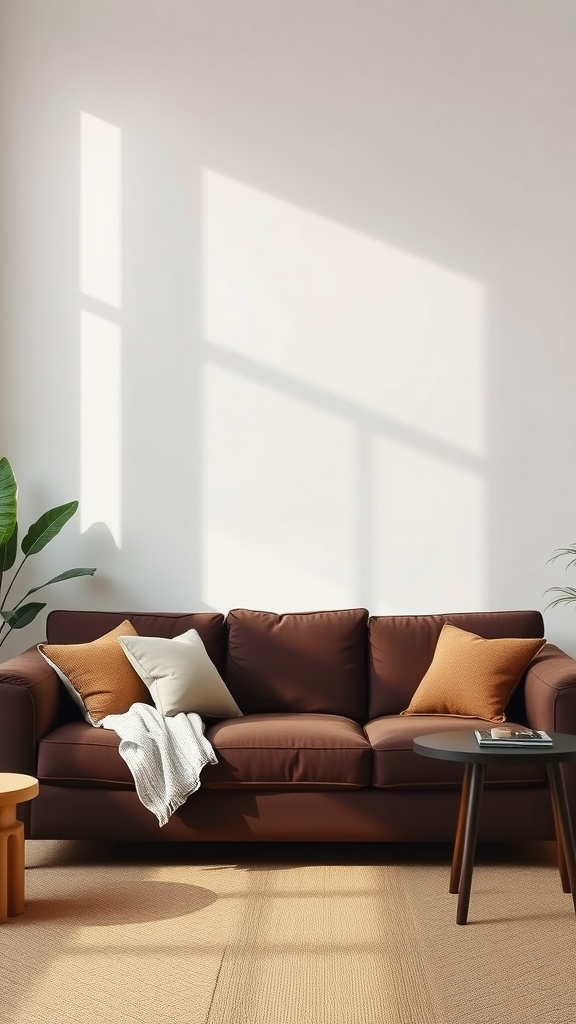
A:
289,935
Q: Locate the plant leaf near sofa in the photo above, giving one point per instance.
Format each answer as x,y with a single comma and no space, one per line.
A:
40,533
566,595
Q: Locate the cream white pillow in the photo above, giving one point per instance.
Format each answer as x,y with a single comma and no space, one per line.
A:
180,675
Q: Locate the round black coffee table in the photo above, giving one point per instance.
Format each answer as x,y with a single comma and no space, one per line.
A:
451,746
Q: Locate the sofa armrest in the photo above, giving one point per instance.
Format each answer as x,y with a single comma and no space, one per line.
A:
29,707
550,691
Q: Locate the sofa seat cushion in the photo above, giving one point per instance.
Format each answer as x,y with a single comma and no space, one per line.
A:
297,751
396,764
78,753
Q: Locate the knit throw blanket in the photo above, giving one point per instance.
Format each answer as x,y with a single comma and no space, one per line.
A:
165,755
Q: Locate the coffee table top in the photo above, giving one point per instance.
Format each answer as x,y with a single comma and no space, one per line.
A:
16,788
463,746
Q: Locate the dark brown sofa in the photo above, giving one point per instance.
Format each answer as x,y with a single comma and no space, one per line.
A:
321,753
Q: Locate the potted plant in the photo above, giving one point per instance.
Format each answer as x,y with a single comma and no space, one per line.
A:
38,536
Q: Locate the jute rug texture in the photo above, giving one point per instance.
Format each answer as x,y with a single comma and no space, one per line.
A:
286,935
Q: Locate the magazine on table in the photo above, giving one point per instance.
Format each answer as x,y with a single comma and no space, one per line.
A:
512,736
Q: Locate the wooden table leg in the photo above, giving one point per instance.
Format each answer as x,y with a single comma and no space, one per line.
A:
470,836
15,788
456,869
11,864
559,840
562,817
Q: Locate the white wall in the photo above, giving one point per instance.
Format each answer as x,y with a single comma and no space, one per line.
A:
287,299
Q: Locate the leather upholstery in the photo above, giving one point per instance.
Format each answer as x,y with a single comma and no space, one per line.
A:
80,627
297,751
311,662
322,753
287,750
401,648
396,764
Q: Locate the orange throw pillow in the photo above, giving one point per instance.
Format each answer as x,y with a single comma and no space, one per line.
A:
98,675
472,677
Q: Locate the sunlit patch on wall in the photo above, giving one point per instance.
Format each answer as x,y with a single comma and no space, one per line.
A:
340,310
277,508
348,358
427,521
100,326
100,421
100,210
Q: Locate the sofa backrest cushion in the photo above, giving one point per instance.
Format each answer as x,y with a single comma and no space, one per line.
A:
80,627
401,649
311,662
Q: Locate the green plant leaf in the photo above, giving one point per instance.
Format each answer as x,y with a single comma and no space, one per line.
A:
563,553
70,574
47,527
567,596
8,501
38,536
8,552
20,617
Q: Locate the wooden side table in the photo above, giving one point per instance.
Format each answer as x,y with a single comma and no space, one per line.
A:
463,746
14,789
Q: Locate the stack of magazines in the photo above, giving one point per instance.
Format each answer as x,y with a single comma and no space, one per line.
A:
512,736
